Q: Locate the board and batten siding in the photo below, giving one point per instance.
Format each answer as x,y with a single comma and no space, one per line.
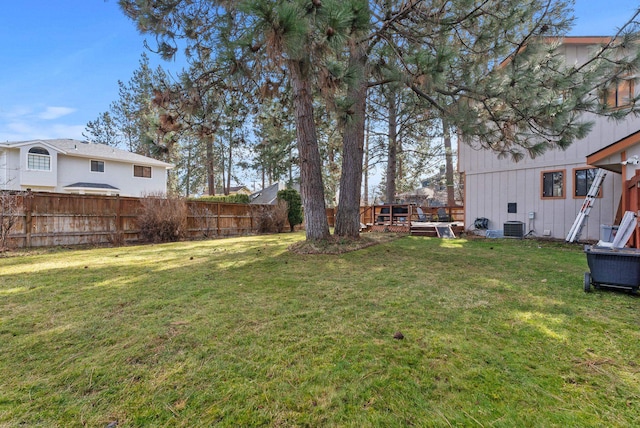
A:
492,183
488,194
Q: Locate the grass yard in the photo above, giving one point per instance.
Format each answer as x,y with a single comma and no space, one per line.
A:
241,332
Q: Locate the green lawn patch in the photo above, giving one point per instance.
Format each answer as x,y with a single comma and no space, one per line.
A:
243,332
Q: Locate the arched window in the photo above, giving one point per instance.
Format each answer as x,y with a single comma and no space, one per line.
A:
38,159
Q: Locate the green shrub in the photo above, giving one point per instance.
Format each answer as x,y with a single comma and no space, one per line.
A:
231,199
294,204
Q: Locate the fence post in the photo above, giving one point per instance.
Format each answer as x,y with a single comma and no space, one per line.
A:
28,218
218,220
118,216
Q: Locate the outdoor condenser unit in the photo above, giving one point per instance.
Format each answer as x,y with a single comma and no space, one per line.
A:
513,229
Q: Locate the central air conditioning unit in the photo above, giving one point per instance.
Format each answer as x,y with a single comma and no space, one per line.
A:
513,229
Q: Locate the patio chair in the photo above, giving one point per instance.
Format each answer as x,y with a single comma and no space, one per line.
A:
442,215
421,215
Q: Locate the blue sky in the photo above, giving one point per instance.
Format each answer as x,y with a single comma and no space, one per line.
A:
60,60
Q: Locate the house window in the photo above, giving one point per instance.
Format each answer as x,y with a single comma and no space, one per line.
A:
38,159
97,166
553,184
618,94
142,171
582,180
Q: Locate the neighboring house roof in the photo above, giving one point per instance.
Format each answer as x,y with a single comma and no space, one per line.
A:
82,185
234,190
268,195
87,149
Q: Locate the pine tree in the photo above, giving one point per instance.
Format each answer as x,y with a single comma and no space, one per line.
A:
275,152
487,67
103,130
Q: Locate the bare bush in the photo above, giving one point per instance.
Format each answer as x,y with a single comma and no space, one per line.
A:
9,216
204,219
162,219
116,239
272,218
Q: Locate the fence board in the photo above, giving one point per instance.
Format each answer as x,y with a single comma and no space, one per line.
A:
49,219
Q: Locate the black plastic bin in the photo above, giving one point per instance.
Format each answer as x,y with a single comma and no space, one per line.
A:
615,268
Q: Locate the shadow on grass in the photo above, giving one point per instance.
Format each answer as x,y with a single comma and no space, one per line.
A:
243,332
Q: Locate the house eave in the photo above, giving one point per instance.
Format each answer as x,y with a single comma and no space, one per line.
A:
32,143
603,157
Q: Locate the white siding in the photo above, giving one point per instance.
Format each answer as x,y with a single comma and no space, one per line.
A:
4,170
117,174
35,179
10,170
67,170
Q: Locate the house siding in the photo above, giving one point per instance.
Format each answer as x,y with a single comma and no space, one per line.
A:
491,183
4,171
69,167
488,193
11,175
38,179
117,174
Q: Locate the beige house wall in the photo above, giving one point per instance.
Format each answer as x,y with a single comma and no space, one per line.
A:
492,183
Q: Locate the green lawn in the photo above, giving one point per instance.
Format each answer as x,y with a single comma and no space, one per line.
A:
241,332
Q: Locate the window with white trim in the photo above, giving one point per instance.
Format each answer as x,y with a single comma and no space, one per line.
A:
38,159
97,166
142,171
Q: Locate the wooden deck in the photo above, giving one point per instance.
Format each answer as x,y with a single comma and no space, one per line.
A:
434,229
409,219
418,228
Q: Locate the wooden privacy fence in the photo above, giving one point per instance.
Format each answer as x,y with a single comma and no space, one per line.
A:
51,219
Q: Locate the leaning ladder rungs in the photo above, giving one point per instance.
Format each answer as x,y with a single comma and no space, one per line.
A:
576,228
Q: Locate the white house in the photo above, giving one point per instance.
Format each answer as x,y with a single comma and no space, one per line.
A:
73,166
545,194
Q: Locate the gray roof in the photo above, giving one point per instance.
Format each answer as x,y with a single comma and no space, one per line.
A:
87,149
91,186
269,195
266,196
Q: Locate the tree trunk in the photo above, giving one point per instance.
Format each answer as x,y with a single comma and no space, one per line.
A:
365,173
227,190
290,169
311,185
189,167
211,185
223,167
451,197
392,152
348,215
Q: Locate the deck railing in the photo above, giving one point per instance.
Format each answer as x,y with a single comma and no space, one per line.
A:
402,214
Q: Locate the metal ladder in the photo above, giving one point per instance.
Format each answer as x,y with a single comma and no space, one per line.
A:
576,229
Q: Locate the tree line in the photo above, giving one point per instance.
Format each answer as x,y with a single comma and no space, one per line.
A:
329,87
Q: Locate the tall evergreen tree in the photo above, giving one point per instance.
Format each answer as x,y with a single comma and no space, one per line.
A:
103,130
275,152
486,67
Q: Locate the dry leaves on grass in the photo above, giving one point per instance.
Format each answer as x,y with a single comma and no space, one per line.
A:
339,245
